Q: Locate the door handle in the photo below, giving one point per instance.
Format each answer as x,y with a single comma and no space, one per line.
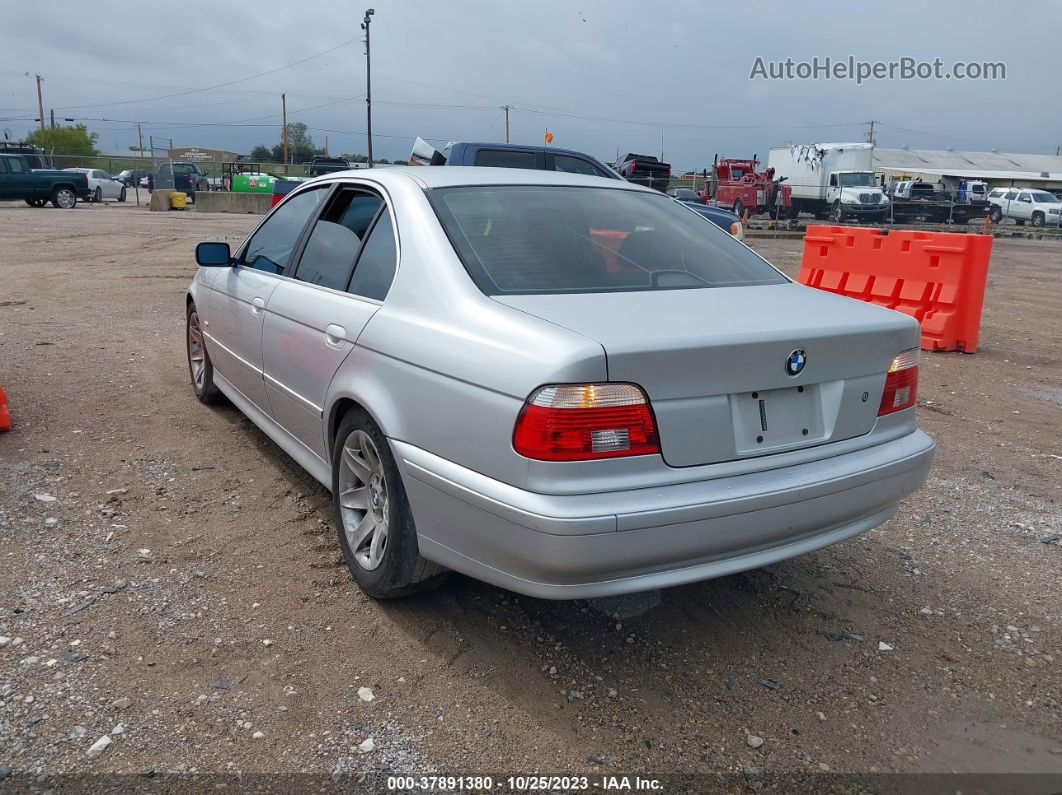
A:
257,305
335,335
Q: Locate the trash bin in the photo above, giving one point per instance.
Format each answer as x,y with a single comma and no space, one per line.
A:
178,200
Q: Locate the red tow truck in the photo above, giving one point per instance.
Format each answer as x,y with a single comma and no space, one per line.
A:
735,184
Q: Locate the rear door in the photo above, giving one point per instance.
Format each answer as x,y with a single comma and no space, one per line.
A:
313,319
236,311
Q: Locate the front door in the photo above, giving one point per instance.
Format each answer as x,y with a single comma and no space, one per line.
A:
313,321
236,311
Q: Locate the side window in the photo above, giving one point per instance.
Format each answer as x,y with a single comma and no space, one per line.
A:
576,165
16,166
270,248
1012,195
3,165
1025,197
833,180
333,244
376,266
504,158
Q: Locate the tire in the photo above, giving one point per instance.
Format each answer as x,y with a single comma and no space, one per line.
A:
121,196
739,208
36,203
385,561
97,196
996,215
64,198
837,213
200,368
1038,219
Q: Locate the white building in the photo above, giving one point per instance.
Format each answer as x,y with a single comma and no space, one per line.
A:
998,169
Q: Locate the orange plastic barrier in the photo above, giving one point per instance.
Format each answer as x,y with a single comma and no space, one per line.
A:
5,415
938,278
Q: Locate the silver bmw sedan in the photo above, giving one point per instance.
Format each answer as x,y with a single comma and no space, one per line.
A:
563,385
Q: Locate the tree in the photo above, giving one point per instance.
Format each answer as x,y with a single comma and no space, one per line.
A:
261,153
70,145
300,145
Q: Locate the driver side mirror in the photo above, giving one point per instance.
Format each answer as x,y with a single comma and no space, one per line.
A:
213,255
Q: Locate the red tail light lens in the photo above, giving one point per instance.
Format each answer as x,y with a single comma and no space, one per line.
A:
578,422
901,383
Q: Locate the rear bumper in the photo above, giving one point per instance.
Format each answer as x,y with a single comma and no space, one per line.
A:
582,546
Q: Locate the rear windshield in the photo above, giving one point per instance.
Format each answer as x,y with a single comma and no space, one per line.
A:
555,239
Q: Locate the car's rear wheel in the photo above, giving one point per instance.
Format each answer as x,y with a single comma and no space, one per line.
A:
373,517
997,215
199,365
121,196
64,198
1038,219
36,202
97,195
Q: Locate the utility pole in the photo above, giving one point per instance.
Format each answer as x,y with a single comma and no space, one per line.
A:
40,100
368,80
52,112
870,132
506,109
140,133
284,128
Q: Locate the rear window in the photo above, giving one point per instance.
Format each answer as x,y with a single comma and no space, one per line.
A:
504,158
517,239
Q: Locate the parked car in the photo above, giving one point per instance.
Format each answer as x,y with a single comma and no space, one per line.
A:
724,219
130,177
511,156
684,194
1024,204
101,185
184,177
37,188
326,165
564,385
644,170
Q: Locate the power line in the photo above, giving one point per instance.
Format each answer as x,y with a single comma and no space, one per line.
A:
213,87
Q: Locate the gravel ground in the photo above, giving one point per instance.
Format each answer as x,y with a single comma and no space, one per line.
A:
172,588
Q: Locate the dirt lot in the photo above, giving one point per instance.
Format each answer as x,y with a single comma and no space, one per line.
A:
172,580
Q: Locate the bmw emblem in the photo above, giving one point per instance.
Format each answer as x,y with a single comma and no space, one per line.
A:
794,365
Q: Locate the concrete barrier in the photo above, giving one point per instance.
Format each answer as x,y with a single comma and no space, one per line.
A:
160,200
224,202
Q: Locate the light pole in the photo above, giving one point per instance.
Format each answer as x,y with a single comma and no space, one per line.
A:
368,80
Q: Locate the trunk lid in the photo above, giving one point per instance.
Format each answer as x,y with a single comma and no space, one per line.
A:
714,362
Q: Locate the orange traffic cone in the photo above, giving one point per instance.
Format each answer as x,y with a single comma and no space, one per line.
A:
5,415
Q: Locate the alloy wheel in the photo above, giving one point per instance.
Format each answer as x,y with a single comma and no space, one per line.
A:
196,351
65,198
363,499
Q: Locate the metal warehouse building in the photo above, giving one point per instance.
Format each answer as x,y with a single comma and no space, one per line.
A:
998,169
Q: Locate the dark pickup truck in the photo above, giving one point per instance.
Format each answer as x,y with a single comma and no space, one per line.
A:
644,170
37,188
509,156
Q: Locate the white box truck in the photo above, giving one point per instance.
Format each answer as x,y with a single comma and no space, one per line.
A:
833,181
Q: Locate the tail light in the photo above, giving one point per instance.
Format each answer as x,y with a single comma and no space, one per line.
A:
901,383
634,166
578,422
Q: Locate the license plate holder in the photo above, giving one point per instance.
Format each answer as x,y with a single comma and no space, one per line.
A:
769,419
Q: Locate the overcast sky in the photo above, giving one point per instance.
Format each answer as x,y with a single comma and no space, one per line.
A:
678,68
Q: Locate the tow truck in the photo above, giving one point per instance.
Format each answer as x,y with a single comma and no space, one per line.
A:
735,183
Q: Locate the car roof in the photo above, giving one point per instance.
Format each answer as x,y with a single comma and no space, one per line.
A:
428,177
553,150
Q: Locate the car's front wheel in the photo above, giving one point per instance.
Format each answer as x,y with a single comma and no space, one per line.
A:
1038,219
997,215
837,213
199,365
373,517
97,196
121,196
